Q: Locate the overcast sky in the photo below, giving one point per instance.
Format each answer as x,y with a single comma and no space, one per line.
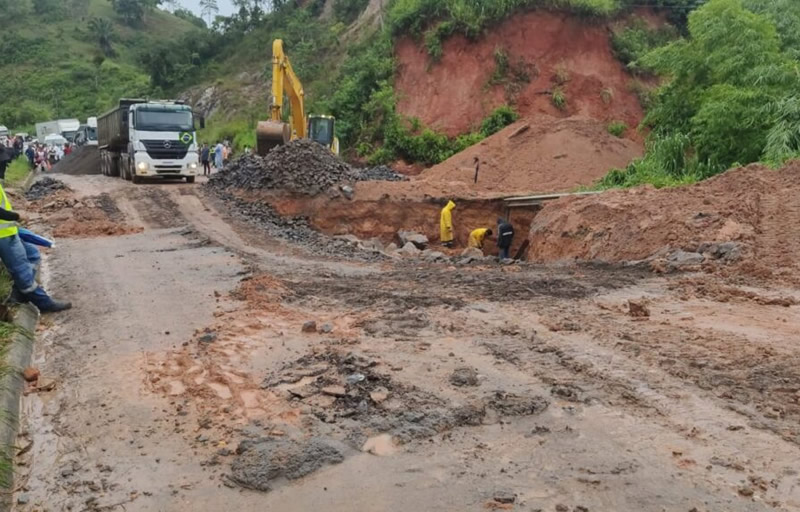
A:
225,6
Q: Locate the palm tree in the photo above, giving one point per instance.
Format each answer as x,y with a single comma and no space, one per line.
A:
103,31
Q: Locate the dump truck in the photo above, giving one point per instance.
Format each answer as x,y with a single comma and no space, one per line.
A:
67,128
148,139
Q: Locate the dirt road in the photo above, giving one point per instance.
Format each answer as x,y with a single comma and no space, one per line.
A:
185,382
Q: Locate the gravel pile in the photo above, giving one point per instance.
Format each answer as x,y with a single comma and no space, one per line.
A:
296,230
44,187
301,166
379,173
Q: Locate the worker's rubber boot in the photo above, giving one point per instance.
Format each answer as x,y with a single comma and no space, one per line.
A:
45,303
16,296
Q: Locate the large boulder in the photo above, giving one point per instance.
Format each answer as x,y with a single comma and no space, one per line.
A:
409,249
419,240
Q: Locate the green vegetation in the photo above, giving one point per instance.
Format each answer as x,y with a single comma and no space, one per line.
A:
76,63
732,98
637,39
617,128
559,98
17,172
347,11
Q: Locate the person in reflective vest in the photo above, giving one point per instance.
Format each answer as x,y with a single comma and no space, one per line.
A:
21,260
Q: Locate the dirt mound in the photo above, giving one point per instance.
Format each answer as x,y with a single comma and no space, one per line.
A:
531,156
754,206
83,160
551,47
301,166
44,187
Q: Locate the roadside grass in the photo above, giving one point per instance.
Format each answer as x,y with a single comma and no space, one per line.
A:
17,172
7,332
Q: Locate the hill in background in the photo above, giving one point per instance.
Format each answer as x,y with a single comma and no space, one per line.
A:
74,58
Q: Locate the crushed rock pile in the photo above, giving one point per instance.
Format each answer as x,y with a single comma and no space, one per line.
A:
82,160
301,166
44,187
746,216
380,173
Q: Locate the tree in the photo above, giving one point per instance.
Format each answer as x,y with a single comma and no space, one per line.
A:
103,31
133,11
207,8
46,6
189,16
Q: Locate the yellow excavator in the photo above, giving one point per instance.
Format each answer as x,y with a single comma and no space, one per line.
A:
275,132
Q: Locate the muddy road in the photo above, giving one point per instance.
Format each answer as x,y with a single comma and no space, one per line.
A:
209,366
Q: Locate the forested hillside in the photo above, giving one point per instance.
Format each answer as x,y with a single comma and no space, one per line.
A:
75,58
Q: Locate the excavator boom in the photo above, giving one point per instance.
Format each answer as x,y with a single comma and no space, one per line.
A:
285,83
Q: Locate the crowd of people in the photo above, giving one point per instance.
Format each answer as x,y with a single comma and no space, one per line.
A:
41,157
218,156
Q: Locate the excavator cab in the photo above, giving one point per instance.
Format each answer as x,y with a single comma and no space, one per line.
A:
322,129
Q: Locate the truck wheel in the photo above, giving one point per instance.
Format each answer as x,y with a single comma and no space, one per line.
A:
135,179
190,179
127,172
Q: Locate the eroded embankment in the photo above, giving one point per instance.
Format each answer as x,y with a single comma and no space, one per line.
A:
383,218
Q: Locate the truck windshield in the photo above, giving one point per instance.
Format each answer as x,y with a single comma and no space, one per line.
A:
91,133
164,120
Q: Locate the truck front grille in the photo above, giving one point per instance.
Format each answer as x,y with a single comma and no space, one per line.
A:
166,149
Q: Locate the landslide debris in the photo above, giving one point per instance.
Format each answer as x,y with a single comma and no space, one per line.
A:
302,166
745,218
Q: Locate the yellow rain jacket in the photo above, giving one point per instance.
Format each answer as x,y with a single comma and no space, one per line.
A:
446,222
476,237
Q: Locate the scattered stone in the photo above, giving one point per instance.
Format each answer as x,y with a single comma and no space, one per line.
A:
510,404
580,508
433,256
505,496
336,391
420,241
352,239
355,378
379,395
347,191
372,245
326,328
309,327
409,249
30,374
539,430
681,258
208,337
464,376
638,309
746,491
392,247
472,252
261,462
562,508
23,499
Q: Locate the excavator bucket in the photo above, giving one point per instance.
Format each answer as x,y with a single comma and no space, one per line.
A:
270,134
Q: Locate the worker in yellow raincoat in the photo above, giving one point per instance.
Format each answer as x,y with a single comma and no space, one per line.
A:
477,236
446,224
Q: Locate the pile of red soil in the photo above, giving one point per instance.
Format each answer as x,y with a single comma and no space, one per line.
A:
755,206
533,156
453,95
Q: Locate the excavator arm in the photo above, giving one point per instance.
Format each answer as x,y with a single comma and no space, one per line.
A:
285,81
275,132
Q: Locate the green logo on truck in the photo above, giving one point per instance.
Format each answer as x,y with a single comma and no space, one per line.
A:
187,138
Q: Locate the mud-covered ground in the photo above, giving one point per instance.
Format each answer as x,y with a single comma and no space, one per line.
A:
210,365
